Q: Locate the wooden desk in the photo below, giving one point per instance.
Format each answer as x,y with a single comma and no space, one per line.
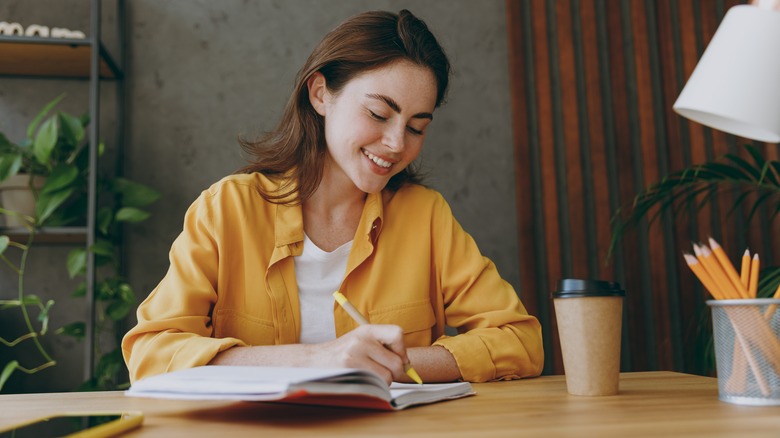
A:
649,404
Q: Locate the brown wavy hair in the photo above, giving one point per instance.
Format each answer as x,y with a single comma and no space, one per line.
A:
293,152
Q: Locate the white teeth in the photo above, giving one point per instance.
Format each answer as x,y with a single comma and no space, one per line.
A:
379,162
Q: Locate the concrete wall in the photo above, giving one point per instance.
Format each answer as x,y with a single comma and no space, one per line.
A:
202,72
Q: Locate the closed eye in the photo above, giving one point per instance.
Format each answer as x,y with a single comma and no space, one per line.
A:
414,131
376,116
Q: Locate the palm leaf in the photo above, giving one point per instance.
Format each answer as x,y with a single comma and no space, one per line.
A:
761,199
740,199
691,189
768,170
755,173
768,280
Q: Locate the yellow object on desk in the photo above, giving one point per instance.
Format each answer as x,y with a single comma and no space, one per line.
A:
360,319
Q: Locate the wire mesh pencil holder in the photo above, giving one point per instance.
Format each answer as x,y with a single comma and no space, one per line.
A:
746,334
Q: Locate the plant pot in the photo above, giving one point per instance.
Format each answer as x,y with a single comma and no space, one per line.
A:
16,195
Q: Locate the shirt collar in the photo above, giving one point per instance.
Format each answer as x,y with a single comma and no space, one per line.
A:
289,221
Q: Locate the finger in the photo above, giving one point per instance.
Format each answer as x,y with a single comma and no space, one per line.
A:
380,355
381,371
391,336
388,348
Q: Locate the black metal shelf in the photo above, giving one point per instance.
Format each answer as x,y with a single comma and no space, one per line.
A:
64,58
48,236
53,58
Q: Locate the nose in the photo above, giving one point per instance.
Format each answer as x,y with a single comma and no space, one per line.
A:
393,138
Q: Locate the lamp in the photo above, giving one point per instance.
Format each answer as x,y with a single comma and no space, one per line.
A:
735,87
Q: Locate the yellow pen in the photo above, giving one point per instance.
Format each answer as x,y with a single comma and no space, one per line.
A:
360,319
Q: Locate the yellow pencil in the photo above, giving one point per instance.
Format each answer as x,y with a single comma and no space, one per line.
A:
713,268
360,319
744,272
771,309
703,276
753,285
728,268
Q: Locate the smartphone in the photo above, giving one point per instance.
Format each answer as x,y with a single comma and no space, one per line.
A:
76,425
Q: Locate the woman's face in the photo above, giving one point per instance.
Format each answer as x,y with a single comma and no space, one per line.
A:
375,126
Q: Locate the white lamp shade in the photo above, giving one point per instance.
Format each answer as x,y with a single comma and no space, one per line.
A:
735,87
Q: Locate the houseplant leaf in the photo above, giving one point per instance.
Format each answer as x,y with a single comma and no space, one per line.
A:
61,177
43,316
134,194
727,171
769,279
103,247
75,330
77,262
9,165
32,300
48,202
7,371
5,144
34,124
131,214
104,252
80,291
104,217
45,140
71,128
4,240
118,310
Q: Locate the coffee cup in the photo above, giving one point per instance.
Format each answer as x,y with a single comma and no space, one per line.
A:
589,315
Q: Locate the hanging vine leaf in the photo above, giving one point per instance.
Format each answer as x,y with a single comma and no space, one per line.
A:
134,194
43,317
75,330
77,262
7,371
55,148
131,214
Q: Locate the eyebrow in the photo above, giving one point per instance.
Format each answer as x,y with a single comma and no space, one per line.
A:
395,107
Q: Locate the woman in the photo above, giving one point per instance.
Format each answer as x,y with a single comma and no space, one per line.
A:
329,202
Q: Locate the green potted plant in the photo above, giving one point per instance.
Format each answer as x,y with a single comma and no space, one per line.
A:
757,182
48,159
55,153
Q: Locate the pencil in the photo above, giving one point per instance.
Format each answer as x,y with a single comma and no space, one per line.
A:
753,286
360,319
728,268
713,268
771,309
744,273
702,275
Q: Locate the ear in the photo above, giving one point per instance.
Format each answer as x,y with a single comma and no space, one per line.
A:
318,92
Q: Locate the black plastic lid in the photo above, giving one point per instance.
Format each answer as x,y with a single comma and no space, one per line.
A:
575,287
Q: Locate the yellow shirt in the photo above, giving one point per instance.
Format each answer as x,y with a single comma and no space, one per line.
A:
232,282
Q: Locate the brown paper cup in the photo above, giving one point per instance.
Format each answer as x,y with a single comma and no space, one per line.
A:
589,327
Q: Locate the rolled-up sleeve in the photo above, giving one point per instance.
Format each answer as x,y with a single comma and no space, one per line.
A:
174,329
497,338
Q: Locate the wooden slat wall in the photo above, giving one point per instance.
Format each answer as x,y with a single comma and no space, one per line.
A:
593,83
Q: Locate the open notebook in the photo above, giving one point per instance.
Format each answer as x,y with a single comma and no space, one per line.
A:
320,386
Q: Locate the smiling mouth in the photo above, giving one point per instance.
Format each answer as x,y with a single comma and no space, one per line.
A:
378,161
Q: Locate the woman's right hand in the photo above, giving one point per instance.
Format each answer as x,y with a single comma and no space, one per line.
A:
375,347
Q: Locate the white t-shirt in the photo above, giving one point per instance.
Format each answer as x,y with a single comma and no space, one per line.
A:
319,274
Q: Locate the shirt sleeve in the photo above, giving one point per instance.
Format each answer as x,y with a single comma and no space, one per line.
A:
174,322
497,338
